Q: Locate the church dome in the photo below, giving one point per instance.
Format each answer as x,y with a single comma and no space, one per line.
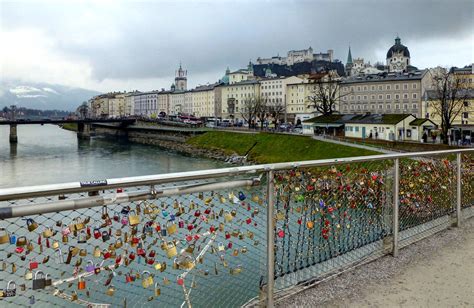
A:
397,48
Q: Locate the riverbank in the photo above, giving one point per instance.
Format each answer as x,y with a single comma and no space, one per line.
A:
69,126
273,148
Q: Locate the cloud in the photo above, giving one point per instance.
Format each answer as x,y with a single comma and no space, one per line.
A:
119,45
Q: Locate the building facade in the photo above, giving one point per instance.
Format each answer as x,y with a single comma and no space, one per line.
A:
385,93
234,95
298,56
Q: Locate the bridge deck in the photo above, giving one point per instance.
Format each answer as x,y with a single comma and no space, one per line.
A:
436,272
59,121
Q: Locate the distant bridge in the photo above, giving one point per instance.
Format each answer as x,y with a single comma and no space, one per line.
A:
83,126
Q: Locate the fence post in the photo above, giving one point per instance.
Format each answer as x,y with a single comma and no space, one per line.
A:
458,191
396,189
270,239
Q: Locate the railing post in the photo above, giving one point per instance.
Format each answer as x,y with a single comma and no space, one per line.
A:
270,239
396,189
458,191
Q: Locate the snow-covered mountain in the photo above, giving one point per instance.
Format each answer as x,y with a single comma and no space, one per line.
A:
42,95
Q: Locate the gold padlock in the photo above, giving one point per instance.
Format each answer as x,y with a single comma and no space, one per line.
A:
55,245
110,291
228,216
171,250
118,243
97,252
158,266
147,279
65,238
30,246
5,237
74,296
83,252
134,219
187,263
48,232
28,275
171,227
157,289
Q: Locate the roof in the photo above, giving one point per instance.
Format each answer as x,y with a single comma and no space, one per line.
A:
381,77
243,82
359,118
419,122
398,47
466,93
240,71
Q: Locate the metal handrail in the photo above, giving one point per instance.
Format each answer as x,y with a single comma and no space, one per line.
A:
74,187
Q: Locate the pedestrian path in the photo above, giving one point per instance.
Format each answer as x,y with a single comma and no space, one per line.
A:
355,145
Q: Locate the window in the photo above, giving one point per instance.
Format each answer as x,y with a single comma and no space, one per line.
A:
365,88
405,106
465,115
365,97
397,87
358,88
380,96
380,88
388,106
405,87
414,106
414,86
373,88
397,106
466,104
357,128
405,96
372,97
414,96
388,96
358,97
380,106
388,87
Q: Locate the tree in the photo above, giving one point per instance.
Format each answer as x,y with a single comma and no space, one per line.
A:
448,96
249,110
325,94
275,110
83,110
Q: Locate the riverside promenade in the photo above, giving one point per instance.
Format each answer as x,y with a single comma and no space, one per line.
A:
435,272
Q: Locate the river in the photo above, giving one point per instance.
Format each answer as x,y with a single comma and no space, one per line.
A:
48,154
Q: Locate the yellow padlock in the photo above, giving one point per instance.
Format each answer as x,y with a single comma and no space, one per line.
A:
157,289
97,252
228,216
55,245
158,266
110,291
171,250
48,232
171,227
147,279
133,219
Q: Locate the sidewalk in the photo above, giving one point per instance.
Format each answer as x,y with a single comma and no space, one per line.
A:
355,145
435,272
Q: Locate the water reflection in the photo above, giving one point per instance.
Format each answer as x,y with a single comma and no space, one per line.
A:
48,154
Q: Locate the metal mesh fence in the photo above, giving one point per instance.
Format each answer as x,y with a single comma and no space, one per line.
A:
324,213
207,249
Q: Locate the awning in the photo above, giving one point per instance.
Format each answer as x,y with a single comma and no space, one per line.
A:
326,124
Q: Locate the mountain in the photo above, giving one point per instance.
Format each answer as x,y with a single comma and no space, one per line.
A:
42,96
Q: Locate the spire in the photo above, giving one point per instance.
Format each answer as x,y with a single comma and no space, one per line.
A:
397,40
349,56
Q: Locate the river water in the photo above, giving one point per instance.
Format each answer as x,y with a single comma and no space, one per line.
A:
48,154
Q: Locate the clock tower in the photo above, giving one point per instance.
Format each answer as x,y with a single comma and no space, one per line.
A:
398,57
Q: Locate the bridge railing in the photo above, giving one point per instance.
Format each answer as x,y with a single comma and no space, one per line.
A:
224,237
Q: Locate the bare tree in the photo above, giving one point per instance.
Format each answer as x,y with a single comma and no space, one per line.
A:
249,110
276,110
449,95
325,94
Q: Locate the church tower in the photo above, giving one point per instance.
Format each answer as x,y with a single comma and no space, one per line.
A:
181,80
349,63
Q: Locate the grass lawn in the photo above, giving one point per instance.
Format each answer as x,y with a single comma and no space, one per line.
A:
70,126
273,148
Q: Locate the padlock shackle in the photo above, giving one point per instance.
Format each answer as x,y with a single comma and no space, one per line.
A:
9,283
37,272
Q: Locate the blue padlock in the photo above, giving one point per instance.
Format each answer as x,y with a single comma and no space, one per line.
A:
241,196
13,239
163,232
172,217
32,299
165,213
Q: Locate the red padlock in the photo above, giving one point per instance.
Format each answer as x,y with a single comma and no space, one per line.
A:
128,278
119,190
248,220
207,211
131,256
152,254
81,284
150,261
19,249
33,264
227,235
135,240
212,229
190,227
39,240
196,236
141,252
118,259
197,213
97,234
47,243
88,231
180,281
229,245
107,254
189,237
158,228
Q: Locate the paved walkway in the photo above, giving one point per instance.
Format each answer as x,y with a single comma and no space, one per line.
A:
435,272
355,145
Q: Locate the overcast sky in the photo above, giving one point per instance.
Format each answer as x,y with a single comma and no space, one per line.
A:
125,45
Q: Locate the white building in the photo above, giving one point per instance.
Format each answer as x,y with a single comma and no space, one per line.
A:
298,56
145,103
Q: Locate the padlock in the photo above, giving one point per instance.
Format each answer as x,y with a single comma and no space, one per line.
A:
78,225
55,245
187,263
147,279
105,213
97,269
133,218
33,264
32,300
82,238
74,296
81,284
220,247
13,268
158,266
190,248
66,231
105,236
235,253
31,224
4,237
110,291
228,216
97,233
48,232
10,291
47,280
90,266
235,270
83,252
38,281
171,227
157,289
163,232
28,275
30,246
21,241
171,250
118,243
97,252
58,256
175,264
